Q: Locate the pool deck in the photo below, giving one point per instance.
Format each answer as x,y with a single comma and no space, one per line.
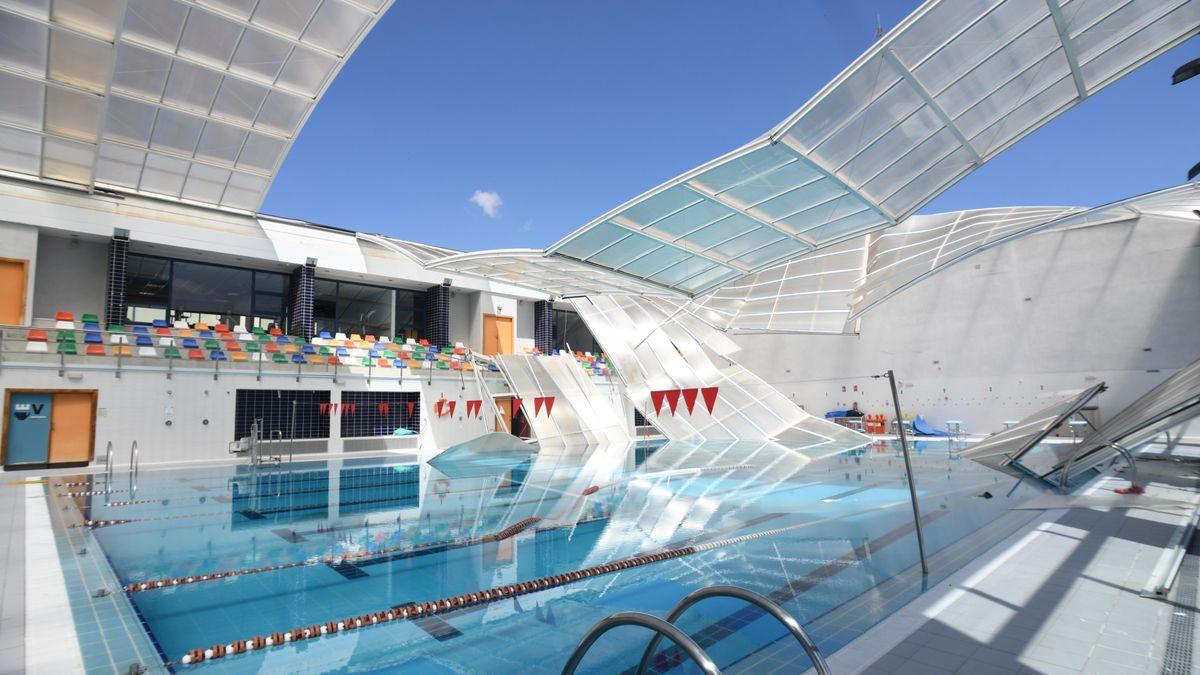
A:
1063,595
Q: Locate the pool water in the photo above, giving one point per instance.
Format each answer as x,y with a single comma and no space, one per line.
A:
842,555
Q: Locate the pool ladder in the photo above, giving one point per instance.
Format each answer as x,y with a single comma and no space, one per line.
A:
666,628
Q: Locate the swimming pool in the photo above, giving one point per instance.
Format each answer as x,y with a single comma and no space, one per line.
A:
830,538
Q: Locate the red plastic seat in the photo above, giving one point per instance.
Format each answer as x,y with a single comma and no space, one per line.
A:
334,361
424,343
95,350
232,346
276,331
221,328
162,331
195,355
271,347
36,335
64,316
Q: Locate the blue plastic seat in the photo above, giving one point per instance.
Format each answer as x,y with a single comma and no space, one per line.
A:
308,349
144,341
282,339
141,330
374,353
326,335
400,363
93,338
342,351
217,355
190,343
492,368
91,326
299,358
160,323
206,335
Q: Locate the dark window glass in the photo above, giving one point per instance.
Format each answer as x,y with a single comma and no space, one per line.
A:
211,289
304,420
325,304
147,281
270,282
569,329
366,310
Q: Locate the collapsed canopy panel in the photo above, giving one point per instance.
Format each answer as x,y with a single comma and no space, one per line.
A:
197,100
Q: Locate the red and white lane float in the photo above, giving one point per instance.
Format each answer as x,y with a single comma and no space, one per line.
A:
155,584
419,609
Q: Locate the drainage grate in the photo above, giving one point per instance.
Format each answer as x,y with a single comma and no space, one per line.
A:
1177,659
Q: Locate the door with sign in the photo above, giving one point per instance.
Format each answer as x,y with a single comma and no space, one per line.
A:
27,429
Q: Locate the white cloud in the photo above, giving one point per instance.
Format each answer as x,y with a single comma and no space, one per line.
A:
489,201
527,226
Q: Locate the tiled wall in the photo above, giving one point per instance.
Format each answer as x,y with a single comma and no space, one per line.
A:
437,315
379,413
300,305
543,325
304,420
114,293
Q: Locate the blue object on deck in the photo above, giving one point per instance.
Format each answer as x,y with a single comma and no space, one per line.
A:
921,428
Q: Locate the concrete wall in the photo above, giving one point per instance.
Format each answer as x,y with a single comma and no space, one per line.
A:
71,275
1013,328
20,242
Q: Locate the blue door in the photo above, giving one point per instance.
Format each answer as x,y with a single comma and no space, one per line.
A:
28,429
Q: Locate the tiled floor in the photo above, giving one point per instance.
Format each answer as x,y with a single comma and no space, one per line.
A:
12,578
1064,597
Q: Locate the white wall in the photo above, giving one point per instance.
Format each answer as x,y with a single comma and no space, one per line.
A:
1013,328
71,276
20,242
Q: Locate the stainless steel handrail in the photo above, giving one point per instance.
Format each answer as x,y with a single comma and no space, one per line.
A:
108,463
133,458
764,603
652,622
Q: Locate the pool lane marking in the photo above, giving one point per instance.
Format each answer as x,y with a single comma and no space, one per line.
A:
335,561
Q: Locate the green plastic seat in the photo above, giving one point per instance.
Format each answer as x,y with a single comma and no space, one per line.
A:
212,344
90,318
66,336
442,365
299,341
171,353
253,347
263,337
116,328
367,363
67,348
278,358
258,330
325,351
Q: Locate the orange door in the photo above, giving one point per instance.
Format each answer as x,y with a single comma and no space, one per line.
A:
497,334
12,291
506,410
72,420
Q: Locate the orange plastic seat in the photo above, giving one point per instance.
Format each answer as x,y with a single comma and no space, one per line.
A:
122,350
195,355
232,346
95,350
37,335
239,356
200,325
334,361
224,334
370,338
383,363
276,332
291,349
315,360
64,316
271,347
221,328
424,343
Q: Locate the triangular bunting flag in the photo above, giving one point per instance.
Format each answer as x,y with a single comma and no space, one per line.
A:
656,397
383,409
549,405
537,405
411,405
672,399
324,408
517,404
452,404
689,398
710,398
437,407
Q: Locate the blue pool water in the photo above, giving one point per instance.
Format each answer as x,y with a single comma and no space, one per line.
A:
845,559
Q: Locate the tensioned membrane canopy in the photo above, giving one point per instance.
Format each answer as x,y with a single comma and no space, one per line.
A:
190,99
555,275
954,85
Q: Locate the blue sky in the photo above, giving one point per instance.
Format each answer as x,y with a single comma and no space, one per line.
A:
565,110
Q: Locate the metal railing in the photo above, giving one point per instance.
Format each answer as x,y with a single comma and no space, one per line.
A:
134,458
666,628
108,464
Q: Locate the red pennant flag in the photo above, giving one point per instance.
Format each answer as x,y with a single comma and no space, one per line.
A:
411,405
383,409
437,407
710,397
452,404
656,397
672,399
352,405
689,398
517,404
324,407
333,408
537,405
549,405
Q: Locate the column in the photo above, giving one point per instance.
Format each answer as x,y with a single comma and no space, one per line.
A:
437,315
114,289
300,304
543,326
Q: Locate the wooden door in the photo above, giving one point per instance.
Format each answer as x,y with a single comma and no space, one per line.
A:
72,427
12,291
506,410
497,334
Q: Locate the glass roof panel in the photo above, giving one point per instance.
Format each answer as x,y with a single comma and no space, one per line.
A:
259,66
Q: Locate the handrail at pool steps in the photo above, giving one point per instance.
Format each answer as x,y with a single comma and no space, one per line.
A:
667,628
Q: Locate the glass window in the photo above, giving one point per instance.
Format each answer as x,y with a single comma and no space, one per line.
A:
197,287
366,310
571,332
272,282
147,281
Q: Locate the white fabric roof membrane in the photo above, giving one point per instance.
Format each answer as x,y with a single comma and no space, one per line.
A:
828,290
952,86
198,100
556,275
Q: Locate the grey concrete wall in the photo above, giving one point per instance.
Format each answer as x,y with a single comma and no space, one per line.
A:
70,277
1013,328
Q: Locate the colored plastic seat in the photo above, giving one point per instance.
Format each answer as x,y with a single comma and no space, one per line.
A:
333,361
299,341
90,318
298,358
253,347
37,335
190,343
95,350
325,351
258,330
325,335
93,338
315,360
232,346
64,316
224,335
200,325
65,336
217,355
122,350
143,341
340,336
67,348
383,363
221,328
148,352
374,354
40,347
141,330
244,336
211,344
308,349
343,352
279,358
118,338
205,334
239,329
181,324
171,353
159,323
195,355
271,347
291,349
91,326
275,332
166,342
162,331
423,342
